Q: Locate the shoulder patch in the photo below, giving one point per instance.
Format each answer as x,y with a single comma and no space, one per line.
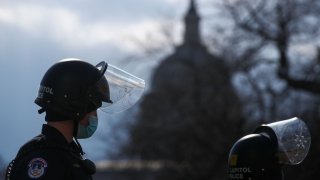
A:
37,167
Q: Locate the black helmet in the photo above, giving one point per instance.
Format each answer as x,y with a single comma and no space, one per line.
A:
71,88
253,157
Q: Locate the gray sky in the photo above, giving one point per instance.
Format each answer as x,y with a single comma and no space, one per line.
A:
35,34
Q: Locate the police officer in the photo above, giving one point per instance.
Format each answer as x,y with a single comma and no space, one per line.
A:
70,93
262,154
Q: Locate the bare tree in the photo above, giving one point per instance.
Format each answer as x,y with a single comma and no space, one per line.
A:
281,23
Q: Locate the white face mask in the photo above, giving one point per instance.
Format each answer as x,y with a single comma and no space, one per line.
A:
87,131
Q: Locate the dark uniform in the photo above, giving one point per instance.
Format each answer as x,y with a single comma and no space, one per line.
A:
49,156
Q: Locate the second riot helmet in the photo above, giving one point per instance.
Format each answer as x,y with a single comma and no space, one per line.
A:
253,157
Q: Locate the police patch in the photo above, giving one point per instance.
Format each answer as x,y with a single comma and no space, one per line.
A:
37,167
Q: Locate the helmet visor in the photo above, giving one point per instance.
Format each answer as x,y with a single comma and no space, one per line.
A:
293,138
119,89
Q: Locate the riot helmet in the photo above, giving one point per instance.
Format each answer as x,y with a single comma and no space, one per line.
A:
262,154
253,157
69,89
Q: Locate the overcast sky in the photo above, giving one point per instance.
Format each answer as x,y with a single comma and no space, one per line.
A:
34,34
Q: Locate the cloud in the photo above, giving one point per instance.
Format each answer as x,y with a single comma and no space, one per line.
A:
62,25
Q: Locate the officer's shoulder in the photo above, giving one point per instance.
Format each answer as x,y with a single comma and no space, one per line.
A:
31,144
38,146
37,158
47,159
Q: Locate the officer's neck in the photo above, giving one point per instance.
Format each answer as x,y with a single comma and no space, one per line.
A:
64,127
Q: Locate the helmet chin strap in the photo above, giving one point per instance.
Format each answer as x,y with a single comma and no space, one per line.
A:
87,164
75,132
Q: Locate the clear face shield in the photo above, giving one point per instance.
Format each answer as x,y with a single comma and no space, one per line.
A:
119,89
293,139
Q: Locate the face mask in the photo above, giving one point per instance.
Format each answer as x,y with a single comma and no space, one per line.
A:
88,131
